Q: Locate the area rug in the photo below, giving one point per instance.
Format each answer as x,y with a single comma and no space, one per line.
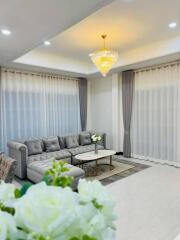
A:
104,169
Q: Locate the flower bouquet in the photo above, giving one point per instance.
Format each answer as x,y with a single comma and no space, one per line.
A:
50,210
95,138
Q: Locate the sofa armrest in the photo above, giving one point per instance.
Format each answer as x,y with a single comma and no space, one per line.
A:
103,135
19,152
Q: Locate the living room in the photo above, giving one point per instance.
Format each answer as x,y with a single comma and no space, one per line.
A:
89,120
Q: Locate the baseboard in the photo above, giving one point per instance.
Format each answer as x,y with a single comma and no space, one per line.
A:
119,153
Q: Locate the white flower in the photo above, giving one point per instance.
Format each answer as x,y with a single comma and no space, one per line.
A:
48,211
92,223
99,138
6,192
94,138
97,194
8,228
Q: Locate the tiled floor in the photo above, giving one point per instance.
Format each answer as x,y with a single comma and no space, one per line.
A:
148,203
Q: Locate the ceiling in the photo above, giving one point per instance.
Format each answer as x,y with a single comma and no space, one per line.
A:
137,29
34,21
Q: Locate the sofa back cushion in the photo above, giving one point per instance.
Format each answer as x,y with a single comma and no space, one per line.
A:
85,138
62,142
51,144
72,141
34,146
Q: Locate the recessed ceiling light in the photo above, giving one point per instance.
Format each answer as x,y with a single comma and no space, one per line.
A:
47,43
172,24
6,32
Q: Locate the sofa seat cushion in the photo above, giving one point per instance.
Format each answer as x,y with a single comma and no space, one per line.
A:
59,155
83,149
42,166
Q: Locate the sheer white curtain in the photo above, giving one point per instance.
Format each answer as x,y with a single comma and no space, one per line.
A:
37,105
155,129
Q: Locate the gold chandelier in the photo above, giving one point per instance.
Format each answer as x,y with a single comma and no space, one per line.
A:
104,59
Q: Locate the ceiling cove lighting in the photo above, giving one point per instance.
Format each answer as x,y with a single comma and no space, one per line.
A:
104,59
172,25
6,32
47,43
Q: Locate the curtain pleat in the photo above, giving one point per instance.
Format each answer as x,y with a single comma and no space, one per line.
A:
35,105
155,131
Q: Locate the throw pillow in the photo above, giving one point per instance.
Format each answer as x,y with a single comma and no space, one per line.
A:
51,144
85,138
71,141
34,146
62,142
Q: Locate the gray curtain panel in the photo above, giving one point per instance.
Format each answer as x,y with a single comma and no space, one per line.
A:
83,102
127,101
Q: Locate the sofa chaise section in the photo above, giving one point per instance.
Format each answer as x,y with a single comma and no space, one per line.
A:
36,170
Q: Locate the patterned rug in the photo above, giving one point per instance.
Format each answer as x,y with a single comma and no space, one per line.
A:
103,169
132,168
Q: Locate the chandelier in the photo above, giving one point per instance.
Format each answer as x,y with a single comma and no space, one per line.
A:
104,59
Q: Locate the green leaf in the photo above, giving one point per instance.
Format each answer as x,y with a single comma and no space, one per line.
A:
86,237
24,188
7,209
56,175
96,204
17,193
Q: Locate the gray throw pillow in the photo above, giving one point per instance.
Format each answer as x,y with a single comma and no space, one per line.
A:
34,146
85,138
51,144
62,142
71,141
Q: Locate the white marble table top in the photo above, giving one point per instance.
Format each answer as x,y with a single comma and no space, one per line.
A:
88,156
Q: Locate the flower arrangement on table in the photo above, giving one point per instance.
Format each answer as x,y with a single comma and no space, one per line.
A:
95,138
50,210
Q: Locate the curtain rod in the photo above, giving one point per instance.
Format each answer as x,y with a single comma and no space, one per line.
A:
165,65
3,69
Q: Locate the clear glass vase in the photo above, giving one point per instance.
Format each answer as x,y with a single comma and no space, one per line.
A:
96,148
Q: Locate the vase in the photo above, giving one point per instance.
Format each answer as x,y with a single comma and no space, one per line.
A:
96,148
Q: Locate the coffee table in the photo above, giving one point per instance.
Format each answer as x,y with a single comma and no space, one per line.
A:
92,156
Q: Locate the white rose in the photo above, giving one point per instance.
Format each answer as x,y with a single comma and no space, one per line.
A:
92,223
6,192
8,228
95,192
47,210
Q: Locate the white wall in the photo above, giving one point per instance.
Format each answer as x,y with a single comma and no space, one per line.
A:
105,108
100,106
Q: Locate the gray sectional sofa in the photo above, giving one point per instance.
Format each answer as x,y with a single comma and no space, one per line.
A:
34,156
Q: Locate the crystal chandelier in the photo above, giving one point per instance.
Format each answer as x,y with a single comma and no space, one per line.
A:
104,59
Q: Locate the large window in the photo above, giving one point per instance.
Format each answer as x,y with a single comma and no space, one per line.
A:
35,105
155,131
